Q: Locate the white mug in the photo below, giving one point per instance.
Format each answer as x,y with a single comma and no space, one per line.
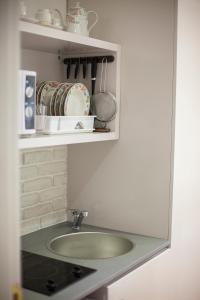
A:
50,16
44,16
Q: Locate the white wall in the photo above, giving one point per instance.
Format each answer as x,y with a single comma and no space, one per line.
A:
126,184
9,204
175,274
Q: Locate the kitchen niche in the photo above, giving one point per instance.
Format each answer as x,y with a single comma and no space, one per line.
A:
44,159
123,178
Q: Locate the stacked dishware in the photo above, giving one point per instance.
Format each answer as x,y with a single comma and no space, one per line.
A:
77,18
63,108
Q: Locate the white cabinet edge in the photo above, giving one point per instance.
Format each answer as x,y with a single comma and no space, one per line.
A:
25,27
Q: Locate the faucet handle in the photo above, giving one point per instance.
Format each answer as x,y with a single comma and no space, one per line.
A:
74,211
84,213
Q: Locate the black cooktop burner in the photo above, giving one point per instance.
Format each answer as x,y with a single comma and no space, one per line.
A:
47,276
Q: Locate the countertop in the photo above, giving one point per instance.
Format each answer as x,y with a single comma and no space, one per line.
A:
107,269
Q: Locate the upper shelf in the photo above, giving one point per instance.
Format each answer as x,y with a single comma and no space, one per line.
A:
42,38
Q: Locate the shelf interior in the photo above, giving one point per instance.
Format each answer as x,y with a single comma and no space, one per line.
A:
40,45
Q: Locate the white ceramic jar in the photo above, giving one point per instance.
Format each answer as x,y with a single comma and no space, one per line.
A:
77,20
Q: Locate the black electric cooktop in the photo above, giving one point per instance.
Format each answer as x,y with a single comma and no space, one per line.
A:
47,276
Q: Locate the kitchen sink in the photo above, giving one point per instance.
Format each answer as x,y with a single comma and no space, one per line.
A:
90,245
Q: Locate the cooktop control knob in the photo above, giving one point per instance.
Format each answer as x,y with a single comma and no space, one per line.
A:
77,272
51,285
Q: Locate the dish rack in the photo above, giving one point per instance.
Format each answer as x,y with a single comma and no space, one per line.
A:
64,124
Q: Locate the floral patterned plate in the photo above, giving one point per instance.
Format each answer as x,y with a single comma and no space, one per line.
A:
48,99
63,98
53,98
38,91
77,101
58,98
43,96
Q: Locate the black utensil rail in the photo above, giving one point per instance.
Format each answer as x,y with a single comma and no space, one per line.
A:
93,60
89,59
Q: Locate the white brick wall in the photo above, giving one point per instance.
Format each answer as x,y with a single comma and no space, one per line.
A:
43,187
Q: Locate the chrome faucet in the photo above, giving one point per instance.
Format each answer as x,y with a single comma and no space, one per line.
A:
78,216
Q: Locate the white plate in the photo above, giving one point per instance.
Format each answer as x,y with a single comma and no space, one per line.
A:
42,97
63,99
52,26
52,101
58,97
77,102
48,99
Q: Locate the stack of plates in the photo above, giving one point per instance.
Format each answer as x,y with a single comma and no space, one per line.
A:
62,99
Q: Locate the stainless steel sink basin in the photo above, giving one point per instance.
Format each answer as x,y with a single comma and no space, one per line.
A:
90,245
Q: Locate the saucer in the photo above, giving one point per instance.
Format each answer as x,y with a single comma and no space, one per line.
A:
27,19
51,26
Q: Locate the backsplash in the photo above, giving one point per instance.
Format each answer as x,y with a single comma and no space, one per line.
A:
43,182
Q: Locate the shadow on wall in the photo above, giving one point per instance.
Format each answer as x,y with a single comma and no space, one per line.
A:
88,158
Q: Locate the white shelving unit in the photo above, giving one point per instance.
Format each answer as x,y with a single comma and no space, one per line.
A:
39,38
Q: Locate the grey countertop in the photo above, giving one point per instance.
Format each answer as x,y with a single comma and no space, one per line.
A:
107,269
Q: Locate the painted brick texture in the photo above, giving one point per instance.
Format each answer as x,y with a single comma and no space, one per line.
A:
43,188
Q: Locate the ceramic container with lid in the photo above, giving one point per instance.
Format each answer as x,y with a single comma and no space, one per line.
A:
77,20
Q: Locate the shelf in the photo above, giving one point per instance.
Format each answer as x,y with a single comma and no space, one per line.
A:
40,140
43,38
50,40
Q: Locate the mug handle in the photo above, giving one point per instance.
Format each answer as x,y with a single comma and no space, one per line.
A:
55,10
96,20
